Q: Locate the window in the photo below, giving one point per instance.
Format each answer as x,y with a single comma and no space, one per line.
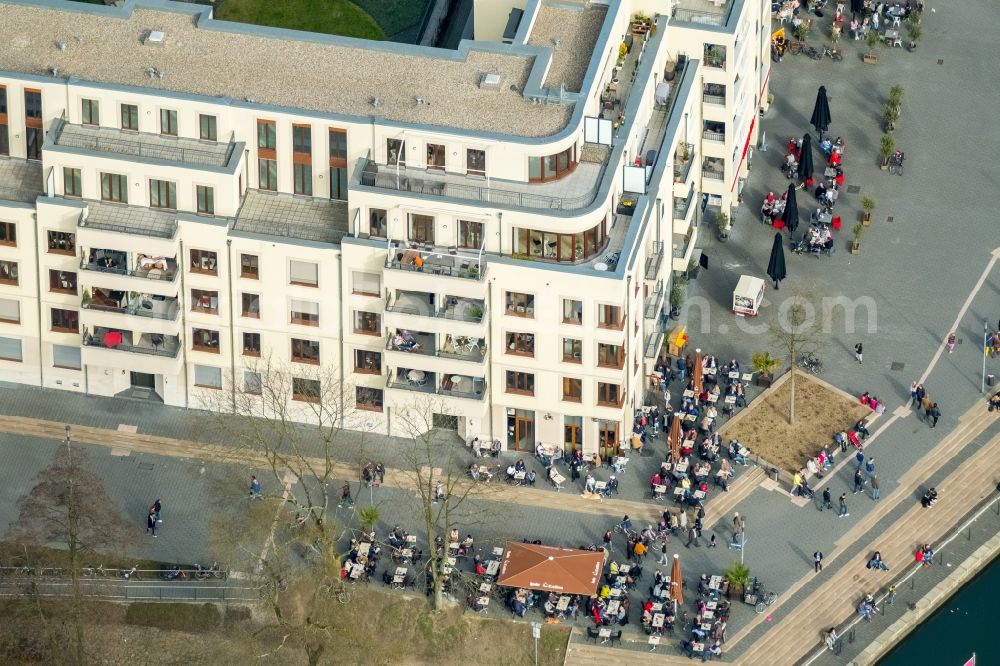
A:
475,162
305,390
303,273
522,344
207,128
302,175
435,156
611,356
369,399
366,284
251,344
304,313
520,382
607,431
33,137
572,389
114,187
130,117
62,281
609,395
521,305
205,340
91,112
206,199
302,139
305,351
62,242
252,384
206,376
65,321
8,272
338,147
572,432
572,311
205,301
367,362
551,167
267,136
267,164
421,228
66,356
302,159
4,135
10,349
569,248
338,183
33,104
162,194
168,122
3,100
394,152
572,350
204,261
610,316
72,184
367,323
251,305
268,174
8,234
470,234
10,311
249,267
377,222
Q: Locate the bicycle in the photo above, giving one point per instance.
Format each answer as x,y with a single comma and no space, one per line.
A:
812,52
896,163
811,364
627,531
767,598
94,572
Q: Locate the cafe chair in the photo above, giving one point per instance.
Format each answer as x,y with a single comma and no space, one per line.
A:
593,634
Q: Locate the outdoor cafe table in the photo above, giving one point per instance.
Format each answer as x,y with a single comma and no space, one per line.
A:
659,490
734,375
604,633
364,547
613,607
712,398
710,372
625,568
747,377
600,486
698,494
453,547
400,571
621,580
689,417
681,467
730,400
714,582
711,605
616,592
657,607
492,567
406,553
678,493
688,393
707,614
485,587
411,538
498,551
658,620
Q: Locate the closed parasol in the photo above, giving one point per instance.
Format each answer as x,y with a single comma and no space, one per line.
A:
676,582
697,378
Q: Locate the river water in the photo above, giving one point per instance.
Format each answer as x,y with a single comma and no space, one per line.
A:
962,626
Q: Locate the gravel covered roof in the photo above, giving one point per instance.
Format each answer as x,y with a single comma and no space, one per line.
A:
576,30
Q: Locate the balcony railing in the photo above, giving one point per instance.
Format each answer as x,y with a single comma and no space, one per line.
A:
461,348
435,260
168,349
681,168
463,311
170,313
711,174
719,100
710,135
386,177
681,207
164,276
430,387
654,262
651,308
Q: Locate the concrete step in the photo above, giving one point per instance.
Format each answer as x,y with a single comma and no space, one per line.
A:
723,504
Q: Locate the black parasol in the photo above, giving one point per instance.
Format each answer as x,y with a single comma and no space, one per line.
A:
857,6
806,159
821,112
790,216
776,266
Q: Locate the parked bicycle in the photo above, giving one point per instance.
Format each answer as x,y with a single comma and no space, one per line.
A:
811,364
758,597
834,54
896,163
204,573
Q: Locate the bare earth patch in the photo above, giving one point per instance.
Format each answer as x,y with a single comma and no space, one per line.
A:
819,412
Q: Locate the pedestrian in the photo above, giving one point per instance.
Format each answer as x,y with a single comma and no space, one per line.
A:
913,393
890,596
663,553
151,523
950,344
692,537
711,543
156,508
818,561
827,503
255,488
875,491
919,397
859,457
857,352
831,638
859,481
607,540
843,506
870,466
345,496
380,472
639,551
934,414
682,520
367,475
738,526
796,485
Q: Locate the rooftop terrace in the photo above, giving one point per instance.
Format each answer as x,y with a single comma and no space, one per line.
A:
20,180
324,74
274,214
135,144
130,220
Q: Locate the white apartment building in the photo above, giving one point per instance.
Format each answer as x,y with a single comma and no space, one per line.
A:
487,233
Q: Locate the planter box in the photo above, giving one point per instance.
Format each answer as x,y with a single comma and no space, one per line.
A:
855,247
764,380
870,58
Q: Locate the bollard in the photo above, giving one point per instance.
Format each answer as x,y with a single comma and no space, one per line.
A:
850,635
911,582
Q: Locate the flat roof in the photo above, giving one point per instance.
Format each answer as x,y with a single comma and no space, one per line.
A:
126,219
286,68
138,144
571,32
288,216
20,180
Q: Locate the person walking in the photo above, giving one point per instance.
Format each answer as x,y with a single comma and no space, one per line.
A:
682,520
692,538
818,561
858,352
796,485
950,343
843,506
831,638
156,508
345,496
380,472
859,457
255,488
367,475
934,414
712,543
827,501
913,393
859,481
151,523
664,559
870,466
875,491
738,525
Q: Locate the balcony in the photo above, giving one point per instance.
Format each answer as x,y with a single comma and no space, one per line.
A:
143,313
714,131
442,351
682,206
116,262
714,94
133,228
20,180
288,216
118,348
451,385
653,303
713,168
456,315
714,56
585,179
420,267
704,12
654,262
683,159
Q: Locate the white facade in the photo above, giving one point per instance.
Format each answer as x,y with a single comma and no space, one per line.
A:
170,244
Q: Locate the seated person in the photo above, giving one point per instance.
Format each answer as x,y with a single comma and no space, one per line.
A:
929,498
529,478
541,455
612,487
511,471
876,562
655,480
734,452
741,399
861,427
826,146
474,471
519,465
994,401
821,192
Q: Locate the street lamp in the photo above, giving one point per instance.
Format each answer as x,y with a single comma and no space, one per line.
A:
986,342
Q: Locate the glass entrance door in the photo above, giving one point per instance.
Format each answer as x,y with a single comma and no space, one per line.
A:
521,430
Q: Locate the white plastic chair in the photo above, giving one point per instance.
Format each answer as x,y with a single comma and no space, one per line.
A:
470,344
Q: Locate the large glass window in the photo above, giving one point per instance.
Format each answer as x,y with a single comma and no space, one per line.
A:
65,321
33,138
303,273
302,179
162,194
367,323
302,139
435,156
130,117
207,128
522,344
206,376
475,162
250,306
304,313
268,174
249,266
551,167
552,246
572,389
369,399
72,182
204,261
62,242
521,305
305,390
421,228
470,234
8,273
367,362
572,350
612,356
205,301
267,137
10,311
63,282
168,122
206,199
338,145
114,187
8,234
394,152
520,382
91,112
609,395
33,104
305,351
251,344
609,316
572,311
377,222
205,340
338,183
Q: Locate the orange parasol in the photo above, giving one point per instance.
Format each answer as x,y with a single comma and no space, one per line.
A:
675,438
676,591
697,378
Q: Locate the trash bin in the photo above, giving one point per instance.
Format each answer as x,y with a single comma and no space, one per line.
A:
990,380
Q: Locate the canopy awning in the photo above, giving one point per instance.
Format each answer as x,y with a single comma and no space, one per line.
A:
561,570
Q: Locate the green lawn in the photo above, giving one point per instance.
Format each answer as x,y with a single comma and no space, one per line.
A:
396,16
335,17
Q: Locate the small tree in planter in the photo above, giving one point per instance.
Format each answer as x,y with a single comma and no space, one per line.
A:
765,366
896,97
856,232
886,148
871,39
890,114
738,576
678,292
867,205
803,30
915,30
722,223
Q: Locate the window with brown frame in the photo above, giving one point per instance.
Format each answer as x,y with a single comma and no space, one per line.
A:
10,311
251,344
250,305
610,356
168,122
204,262
610,316
304,313
65,321
162,194
302,159
72,182
470,235
521,344
378,222
63,282
90,112
8,272
267,156
367,323
114,187
435,156
421,228
205,199
62,242
368,399
338,148
572,350
34,135
205,340
366,284
572,389
552,167
130,117
249,267
305,351
303,273
367,362
520,382
572,311
305,390
520,305
4,132
204,301
475,161
609,395
394,152
207,128
8,234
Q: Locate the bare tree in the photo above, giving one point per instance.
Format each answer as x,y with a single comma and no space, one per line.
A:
795,333
69,506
